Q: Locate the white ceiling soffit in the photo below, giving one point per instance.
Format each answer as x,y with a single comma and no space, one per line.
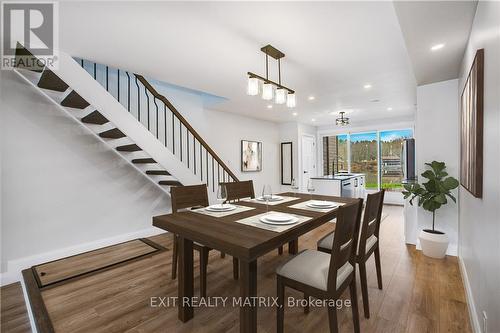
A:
428,23
332,50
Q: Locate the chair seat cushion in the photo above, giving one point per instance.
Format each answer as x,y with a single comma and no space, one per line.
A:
327,242
311,268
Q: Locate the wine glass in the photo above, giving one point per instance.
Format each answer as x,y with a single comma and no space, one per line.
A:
267,195
295,186
310,187
221,194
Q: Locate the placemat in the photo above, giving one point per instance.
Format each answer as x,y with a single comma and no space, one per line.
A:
238,209
272,203
255,222
303,205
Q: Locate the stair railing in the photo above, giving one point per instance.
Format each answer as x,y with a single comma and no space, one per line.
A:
163,120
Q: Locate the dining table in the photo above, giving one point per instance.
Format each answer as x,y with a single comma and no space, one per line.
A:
243,241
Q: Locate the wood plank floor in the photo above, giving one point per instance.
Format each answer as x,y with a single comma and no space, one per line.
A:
14,317
86,262
420,294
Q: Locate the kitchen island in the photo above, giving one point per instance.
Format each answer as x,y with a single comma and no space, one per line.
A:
350,185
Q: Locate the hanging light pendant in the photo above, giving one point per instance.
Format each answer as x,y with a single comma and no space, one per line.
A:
283,94
342,121
267,91
280,96
253,86
290,100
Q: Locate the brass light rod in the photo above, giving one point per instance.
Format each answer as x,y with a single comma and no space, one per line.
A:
250,74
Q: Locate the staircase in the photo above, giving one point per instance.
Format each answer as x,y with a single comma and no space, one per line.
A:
125,111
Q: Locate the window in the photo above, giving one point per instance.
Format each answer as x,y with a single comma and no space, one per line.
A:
391,172
364,157
376,154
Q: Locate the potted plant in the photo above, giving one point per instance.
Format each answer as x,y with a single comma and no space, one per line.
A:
431,195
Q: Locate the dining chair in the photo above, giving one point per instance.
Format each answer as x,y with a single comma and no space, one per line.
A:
368,243
325,276
242,190
186,197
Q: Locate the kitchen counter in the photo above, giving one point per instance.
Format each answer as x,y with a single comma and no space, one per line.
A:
345,185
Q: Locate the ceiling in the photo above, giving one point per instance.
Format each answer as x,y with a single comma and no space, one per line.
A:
332,50
429,23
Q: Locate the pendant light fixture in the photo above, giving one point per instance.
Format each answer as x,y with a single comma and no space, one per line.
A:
342,121
282,94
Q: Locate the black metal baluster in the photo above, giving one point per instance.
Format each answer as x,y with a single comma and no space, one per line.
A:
206,160
180,137
95,71
147,98
107,78
128,91
201,162
165,121
118,89
82,64
173,133
138,101
218,173
156,105
213,176
187,144
194,155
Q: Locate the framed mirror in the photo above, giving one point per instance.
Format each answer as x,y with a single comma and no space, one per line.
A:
286,163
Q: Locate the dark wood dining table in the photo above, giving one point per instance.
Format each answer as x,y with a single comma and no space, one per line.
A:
247,243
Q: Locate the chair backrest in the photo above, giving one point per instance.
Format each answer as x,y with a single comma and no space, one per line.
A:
239,190
371,220
188,196
344,240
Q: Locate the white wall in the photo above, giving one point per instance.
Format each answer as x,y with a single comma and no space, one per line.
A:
479,232
63,191
224,131
436,138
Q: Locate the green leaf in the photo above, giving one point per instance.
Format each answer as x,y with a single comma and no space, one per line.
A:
428,174
440,198
450,183
437,166
451,197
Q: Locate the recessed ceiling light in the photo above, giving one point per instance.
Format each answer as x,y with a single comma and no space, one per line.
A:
313,119
367,86
375,100
389,109
295,114
437,47
311,98
269,106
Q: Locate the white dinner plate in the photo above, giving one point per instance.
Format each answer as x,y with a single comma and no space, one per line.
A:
273,198
219,208
322,205
278,217
292,221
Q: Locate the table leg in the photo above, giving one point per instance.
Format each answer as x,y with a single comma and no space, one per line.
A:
293,246
248,291
185,279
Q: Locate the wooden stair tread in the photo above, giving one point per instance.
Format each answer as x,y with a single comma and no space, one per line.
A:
170,182
73,100
143,160
24,58
113,133
95,117
158,172
49,80
131,147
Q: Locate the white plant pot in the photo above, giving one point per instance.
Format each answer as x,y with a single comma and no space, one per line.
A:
434,245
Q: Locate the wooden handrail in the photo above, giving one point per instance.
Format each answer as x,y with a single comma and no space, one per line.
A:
186,124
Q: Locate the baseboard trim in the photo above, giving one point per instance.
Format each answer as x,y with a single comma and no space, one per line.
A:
15,267
471,305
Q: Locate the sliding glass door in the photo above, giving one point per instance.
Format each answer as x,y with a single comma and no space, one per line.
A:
364,157
391,172
377,154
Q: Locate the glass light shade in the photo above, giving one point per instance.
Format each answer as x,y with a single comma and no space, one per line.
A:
267,91
290,101
280,96
253,86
